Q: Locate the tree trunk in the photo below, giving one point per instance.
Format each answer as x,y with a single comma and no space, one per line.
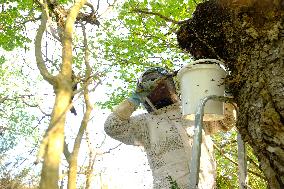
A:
72,175
261,105
248,35
52,144
55,140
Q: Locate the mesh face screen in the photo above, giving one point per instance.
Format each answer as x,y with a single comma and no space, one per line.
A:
163,95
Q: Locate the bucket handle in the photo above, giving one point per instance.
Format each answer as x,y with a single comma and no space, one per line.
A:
174,73
209,60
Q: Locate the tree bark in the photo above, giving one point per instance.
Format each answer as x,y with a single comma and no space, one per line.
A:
72,175
248,35
52,144
51,148
54,139
90,167
260,101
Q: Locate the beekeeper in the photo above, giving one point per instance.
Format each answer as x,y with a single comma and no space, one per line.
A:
166,138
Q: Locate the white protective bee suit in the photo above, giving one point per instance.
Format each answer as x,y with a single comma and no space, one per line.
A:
167,140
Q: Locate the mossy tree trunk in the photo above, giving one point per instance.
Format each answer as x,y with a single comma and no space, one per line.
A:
261,105
248,35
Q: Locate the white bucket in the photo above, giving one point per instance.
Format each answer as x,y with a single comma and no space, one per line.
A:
198,80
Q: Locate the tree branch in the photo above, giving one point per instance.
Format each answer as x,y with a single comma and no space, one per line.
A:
36,106
87,55
61,13
159,15
91,6
66,68
73,159
92,159
109,150
39,59
2,99
235,163
66,152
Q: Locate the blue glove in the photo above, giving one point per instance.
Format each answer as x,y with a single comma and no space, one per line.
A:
135,99
138,96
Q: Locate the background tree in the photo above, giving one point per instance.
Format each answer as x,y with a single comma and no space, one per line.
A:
53,142
15,16
19,18
66,80
21,113
72,176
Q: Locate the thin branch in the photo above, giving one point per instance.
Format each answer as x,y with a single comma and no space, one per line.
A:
147,12
252,162
228,143
30,20
106,152
103,141
107,9
97,84
66,69
84,123
98,5
87,81
3,99
53,32
25,159
39,122
52,62
91,6
35,106
87,54
66,152
235,163
92,159
15,99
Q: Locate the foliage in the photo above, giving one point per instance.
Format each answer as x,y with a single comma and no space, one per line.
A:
136,40
13,16
17,121
19,117
227,157
19,125
8,181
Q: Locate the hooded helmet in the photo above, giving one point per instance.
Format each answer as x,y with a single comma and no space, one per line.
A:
158,83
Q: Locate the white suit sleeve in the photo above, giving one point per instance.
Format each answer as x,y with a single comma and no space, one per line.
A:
120,125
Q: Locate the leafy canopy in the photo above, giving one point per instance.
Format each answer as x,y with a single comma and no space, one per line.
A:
143,36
